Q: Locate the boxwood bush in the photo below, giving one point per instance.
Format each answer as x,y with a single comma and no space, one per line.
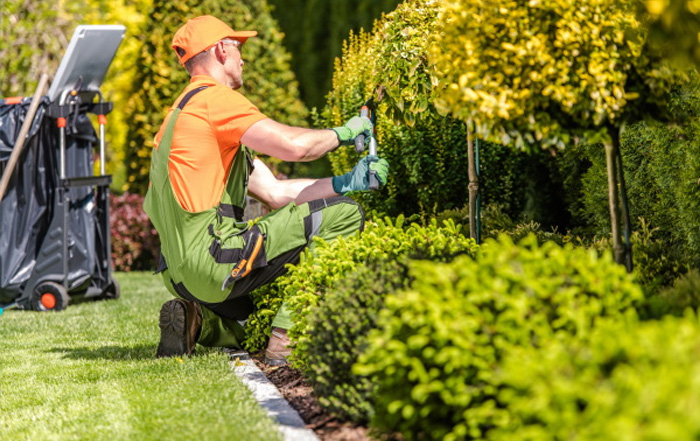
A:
337,335
439,345
323,266
632,381
338,327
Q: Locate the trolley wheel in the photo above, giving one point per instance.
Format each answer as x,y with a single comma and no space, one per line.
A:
50,296
112,292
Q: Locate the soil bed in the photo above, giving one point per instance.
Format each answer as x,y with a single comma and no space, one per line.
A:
294,388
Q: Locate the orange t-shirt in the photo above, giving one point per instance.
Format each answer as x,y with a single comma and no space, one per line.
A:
205,140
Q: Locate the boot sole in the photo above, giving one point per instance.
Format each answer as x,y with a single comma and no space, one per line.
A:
173,338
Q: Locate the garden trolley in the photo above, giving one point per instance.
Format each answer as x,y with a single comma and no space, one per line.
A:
54,216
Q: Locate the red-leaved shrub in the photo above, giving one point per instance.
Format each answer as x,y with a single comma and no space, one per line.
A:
135,244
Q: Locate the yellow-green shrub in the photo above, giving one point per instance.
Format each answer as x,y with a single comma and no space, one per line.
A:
427,150
438,349
633,381
337,328
545,71
328,263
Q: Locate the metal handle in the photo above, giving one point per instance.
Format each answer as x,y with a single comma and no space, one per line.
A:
360,143
373,181
360,139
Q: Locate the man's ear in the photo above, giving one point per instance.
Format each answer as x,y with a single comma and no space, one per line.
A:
220,52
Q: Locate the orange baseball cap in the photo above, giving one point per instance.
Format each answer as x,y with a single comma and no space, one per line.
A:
201,33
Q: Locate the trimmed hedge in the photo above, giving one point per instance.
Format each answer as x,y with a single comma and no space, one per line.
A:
337,335
633,381
323,266
337,328
439,346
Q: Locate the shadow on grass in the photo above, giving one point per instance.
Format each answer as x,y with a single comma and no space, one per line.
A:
116,353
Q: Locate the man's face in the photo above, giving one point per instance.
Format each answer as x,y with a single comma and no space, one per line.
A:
234,63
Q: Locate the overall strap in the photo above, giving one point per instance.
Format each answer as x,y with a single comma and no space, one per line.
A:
189,95
159,156
233,200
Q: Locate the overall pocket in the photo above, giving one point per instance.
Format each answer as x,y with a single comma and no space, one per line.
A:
249,256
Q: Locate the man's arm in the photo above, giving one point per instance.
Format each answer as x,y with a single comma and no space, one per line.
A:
293,144
277,193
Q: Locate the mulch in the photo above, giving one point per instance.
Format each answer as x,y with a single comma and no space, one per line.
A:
296,390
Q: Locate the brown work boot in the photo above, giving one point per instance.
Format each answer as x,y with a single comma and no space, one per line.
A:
277,348
180,324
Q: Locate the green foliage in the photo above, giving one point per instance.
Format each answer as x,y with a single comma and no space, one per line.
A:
633,381
33,35
439,345
337,332
662,164
673,29
314,32
685,293
654,265
426,150
337,328
544,71
270,83
120,83
494,222
323,266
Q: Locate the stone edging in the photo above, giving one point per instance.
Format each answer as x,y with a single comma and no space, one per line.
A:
291,425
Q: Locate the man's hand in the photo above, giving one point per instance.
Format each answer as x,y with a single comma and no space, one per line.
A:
357,125
358,178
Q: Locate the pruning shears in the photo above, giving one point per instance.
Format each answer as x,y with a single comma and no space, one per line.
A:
369,110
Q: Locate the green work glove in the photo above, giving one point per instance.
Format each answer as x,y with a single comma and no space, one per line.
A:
358,178
355,126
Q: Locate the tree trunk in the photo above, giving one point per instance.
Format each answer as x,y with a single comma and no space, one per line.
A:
624,208
611,157
473,183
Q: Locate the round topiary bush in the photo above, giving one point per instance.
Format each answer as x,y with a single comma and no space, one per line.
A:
439,345
327,263
337,328
631,380
337,335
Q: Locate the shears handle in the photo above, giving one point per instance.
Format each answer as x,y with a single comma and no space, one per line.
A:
373,181
360,147
360,139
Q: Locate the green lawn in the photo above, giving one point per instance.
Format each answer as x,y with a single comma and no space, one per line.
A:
89,373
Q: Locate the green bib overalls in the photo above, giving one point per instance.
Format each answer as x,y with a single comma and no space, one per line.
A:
215,258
